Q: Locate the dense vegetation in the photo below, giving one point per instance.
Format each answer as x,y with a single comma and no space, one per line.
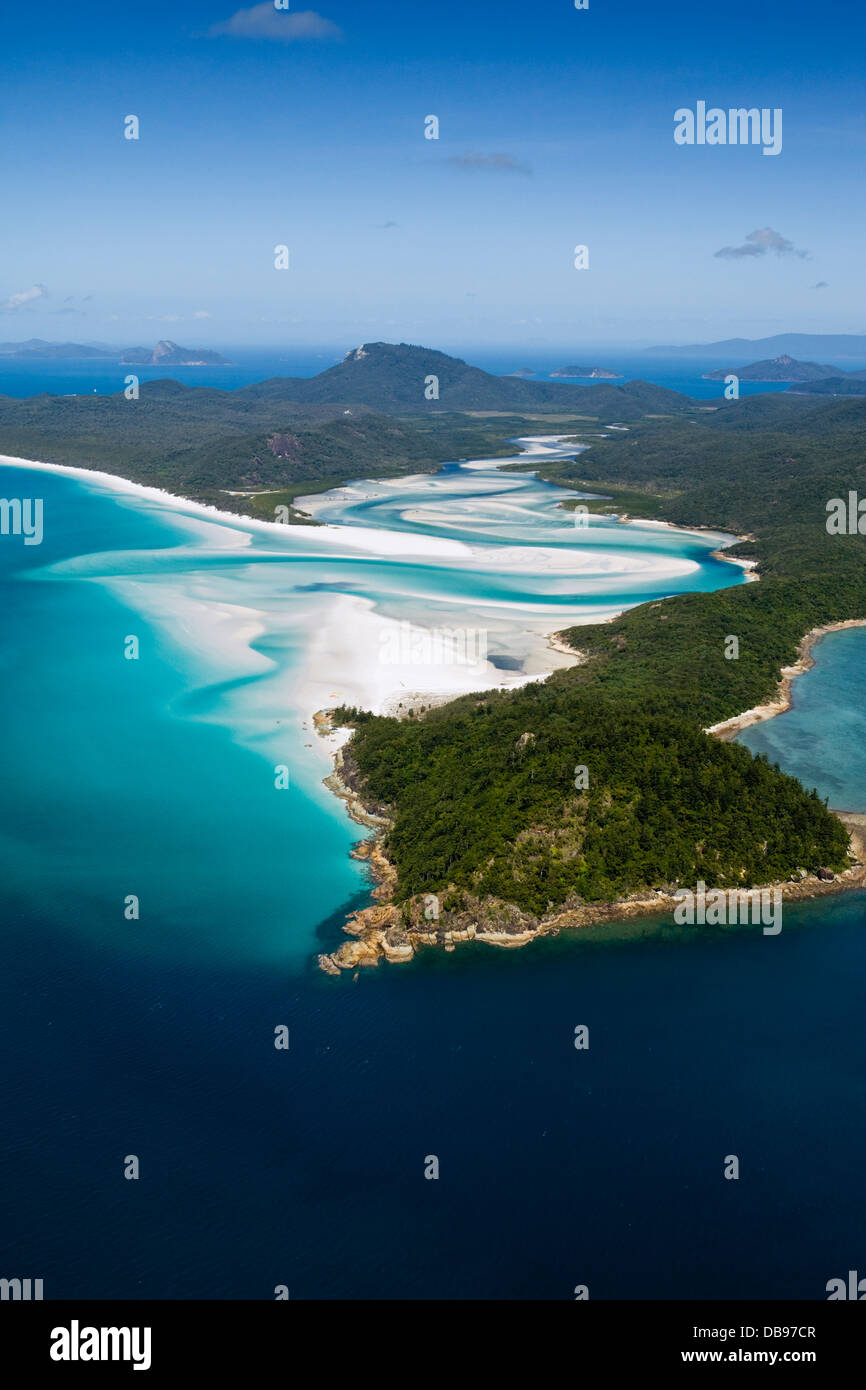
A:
766,467
479,805
853,385
203,443
665,801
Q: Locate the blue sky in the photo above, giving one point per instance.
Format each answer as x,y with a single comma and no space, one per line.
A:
556,128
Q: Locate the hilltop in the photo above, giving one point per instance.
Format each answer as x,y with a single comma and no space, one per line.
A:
810,378
397,377
169,354
783,368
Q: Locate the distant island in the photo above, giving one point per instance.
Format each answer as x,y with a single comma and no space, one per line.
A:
39,348
782,368
169,354
804,378
801,345
601,372
523,371
165,354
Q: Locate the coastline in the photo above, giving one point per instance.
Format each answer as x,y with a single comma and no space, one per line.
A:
370,539
395,934
379,931
728,729
554,641
749,566
383,932
337,668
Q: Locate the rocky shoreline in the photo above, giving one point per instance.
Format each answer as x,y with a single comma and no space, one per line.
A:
394,933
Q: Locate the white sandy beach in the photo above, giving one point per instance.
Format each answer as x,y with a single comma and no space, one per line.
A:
325,647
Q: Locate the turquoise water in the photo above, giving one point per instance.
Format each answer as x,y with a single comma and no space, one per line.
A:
156,776
154,1036
829,699
110,788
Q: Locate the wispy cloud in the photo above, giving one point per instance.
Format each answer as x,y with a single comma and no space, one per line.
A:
760,243
69,305
201,314
497,163
16,301
277,26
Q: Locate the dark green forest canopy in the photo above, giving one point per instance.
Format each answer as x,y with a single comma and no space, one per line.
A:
477,807
766,468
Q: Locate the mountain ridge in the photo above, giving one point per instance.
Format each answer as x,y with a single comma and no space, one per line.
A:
783,368
797,344
411,379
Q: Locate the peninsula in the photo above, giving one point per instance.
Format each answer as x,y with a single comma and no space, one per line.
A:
518,850
480,820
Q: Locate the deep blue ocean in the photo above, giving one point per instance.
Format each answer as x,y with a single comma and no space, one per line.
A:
155,1037
29,378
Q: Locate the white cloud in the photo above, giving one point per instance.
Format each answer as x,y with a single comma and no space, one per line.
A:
201,314
15,301
758,243
279,26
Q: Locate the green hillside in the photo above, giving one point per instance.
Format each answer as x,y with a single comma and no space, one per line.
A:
480,809
395,377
